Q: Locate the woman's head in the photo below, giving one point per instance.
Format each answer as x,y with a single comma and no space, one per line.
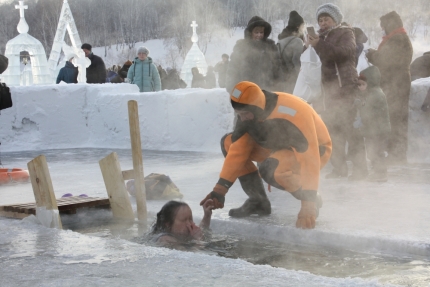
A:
194,71
329,16
142,53
174,217
257,29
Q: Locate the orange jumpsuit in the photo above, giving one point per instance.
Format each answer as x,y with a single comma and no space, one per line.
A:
288,138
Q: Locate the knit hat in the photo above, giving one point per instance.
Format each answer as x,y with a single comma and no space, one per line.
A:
86,46
144,50
332,10
295,20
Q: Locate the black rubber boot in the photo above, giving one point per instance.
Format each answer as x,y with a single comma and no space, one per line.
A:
257,203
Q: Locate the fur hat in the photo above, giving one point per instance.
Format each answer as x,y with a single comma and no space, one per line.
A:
258,22
332,10
86,46
391,22
144,50
295,20
128,63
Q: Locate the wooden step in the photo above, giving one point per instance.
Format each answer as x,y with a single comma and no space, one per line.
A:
66,205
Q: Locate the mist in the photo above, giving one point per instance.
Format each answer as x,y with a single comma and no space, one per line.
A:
120,24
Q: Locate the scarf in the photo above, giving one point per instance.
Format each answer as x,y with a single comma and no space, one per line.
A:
385,39
325,32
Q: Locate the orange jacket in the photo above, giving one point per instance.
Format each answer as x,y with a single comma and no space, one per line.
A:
284,122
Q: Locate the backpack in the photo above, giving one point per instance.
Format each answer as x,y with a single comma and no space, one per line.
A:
5,97
158,186
285,67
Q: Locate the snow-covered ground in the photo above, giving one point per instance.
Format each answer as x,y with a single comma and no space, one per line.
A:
377,231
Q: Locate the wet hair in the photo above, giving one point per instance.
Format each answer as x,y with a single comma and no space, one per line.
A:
166,216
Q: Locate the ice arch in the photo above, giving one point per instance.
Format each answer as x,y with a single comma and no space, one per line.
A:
65,23
194,58
25,42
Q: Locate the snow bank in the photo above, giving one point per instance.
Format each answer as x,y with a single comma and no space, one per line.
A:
83,115
419,123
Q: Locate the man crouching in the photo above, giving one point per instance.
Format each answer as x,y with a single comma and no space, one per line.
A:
290,141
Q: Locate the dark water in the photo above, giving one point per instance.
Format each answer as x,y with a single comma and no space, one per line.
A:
317,260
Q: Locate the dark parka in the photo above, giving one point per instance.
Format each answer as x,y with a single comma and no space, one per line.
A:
173,81
374,108
337,51
420,67
96,72
221,68
4,61
68,74
393,59
254,61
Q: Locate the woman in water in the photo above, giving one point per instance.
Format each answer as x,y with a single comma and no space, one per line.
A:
175,225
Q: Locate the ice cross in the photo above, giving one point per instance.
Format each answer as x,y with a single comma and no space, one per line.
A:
21,8
194,25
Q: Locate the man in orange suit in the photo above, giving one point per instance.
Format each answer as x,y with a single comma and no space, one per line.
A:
290,141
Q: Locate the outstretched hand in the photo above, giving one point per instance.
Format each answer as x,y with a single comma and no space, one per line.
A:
307,215
208,206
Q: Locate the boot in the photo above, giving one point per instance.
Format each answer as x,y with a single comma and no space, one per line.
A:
257,203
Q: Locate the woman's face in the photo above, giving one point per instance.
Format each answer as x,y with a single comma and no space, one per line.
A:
258,33
183,221
142,56
326,22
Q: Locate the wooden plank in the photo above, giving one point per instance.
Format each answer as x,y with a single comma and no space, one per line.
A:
118,195
136,150
128,174
43,191
67,205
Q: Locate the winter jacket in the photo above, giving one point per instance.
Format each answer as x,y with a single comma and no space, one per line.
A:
173,81
4,61
290,48
210,80
420,67
337,52
68,74
145,75
96,72
286,122
221,68
122,73
254,61
198,81
393,58
374,109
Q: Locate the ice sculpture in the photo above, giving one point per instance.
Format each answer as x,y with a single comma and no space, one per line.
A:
194,58
25,42
79,60
65,23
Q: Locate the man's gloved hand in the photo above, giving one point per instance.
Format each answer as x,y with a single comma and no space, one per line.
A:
307,215
217,195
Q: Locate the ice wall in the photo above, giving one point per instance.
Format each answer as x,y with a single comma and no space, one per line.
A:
83,115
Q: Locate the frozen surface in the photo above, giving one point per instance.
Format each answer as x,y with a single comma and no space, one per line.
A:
71,116
390,219
83,115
